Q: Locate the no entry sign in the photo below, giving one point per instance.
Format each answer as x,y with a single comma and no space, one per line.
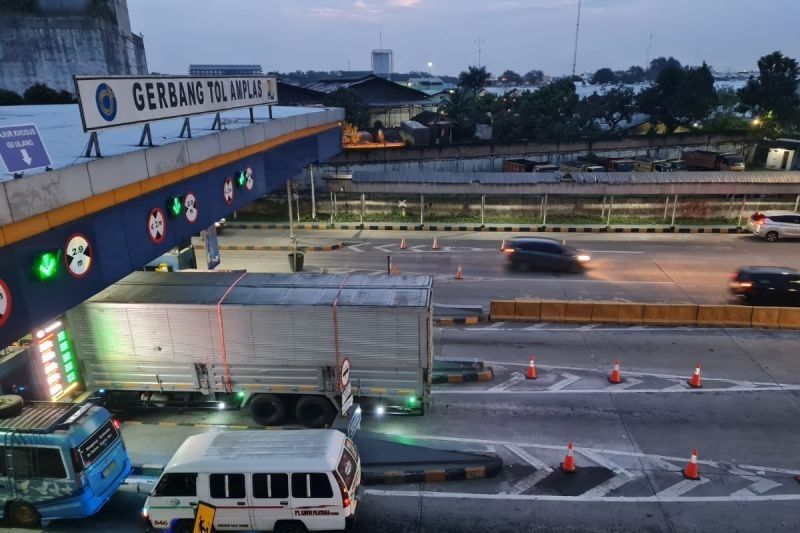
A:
227,190
5,302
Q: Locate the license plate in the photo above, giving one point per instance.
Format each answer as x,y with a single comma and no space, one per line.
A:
110,468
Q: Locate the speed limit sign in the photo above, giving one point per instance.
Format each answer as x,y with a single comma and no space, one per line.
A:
5,302
250,182
227,190
190,207
78,256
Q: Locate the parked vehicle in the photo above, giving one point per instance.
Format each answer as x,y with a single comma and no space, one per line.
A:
59,460
271,342
767,285
535,253
678,165
649,164
414,133
289,481
709,160
526,165
580,165
774,225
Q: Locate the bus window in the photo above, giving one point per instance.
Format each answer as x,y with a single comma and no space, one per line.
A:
36,462
177,485
311,486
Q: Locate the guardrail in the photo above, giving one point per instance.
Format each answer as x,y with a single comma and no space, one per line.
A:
587,312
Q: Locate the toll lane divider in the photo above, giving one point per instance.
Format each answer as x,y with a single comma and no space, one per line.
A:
266,247
466,376
512,229
493,467
523,310
464,320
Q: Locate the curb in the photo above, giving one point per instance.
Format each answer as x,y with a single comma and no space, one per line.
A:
450,321
264,248
436,475
464,377
495,229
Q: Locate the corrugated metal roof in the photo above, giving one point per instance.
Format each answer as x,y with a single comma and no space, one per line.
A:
269,289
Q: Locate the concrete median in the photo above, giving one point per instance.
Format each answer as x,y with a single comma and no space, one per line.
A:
724,315
528,311
578,312
502,310
766,317
553,311
790,318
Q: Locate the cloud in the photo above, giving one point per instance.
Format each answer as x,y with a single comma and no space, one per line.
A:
404,3
360,4
360,11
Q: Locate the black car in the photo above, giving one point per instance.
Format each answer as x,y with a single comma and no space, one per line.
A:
534,253
767,285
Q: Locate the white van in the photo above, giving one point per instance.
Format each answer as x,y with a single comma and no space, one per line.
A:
283,481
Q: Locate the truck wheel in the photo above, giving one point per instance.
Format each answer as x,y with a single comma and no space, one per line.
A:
290,527
24,514
10,406
314,411
268,409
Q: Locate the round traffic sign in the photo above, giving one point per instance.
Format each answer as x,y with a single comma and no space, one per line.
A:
157,225
344,373
190,205
78,256
250,181
5,302
227,190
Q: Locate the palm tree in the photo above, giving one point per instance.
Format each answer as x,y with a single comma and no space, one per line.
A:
473,79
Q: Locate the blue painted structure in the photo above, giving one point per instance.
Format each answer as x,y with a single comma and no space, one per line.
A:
119,237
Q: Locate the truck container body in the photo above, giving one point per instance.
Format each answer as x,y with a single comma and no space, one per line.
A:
646,164
709,160
183,333
580,165
415,133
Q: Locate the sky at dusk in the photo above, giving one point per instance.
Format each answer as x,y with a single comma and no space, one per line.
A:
517,34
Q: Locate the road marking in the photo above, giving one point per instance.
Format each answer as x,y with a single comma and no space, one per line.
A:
568,380
682,487
552,498
627,383
357,247
523,454
494,326
610,251
589,326
681,385
609,485
602,461
530,328
759,486
384,248
605,451
545,326
612,390
516,377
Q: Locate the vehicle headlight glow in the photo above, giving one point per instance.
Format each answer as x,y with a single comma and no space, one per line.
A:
583,258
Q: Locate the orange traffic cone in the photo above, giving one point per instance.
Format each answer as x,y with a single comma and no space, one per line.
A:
403,244
435,244
691,472
531,372
568,466
615,376
394,270
459,273
695,381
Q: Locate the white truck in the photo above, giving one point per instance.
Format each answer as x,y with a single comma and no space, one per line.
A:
275,343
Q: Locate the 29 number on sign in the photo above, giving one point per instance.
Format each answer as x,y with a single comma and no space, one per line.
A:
5,302
190,207
78,256
156,225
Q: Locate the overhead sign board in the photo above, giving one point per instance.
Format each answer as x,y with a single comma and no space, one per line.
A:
22,149
110,101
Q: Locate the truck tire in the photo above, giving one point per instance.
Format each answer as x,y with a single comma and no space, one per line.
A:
10,405
290,527
314,411
268,409
24,514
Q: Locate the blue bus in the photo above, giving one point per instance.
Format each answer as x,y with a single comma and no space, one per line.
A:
59,460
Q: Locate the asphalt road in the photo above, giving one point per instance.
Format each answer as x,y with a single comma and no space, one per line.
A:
631,440
624,267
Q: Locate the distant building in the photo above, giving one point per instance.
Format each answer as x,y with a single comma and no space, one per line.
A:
427,85
225,70
383,63
389,102
49,41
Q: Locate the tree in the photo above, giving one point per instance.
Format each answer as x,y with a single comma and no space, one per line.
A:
659,65
679,97
609,109
355,111
634,74
725,116
603,76
473,79
509,77
534,77
10,98
41,93
461,108
774,91
544,115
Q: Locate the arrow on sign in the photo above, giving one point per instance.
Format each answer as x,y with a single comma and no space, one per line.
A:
25,157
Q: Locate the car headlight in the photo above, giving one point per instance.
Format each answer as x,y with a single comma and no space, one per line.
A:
583,258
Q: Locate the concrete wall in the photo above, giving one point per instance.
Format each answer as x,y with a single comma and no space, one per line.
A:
51,48
489,158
